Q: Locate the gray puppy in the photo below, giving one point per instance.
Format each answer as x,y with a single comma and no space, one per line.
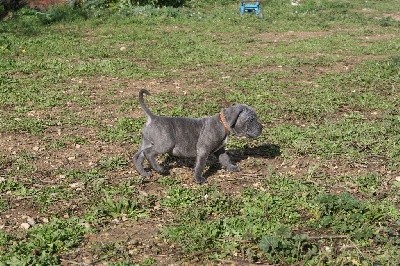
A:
193,137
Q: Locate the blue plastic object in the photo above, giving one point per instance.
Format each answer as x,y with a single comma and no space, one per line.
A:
250,7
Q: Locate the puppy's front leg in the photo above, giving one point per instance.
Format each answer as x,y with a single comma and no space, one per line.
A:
201,160
225,161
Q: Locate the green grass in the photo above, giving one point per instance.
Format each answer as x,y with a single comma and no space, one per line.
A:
218,225
42,243
320,186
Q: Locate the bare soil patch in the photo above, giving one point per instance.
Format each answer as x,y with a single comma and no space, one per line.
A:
291,36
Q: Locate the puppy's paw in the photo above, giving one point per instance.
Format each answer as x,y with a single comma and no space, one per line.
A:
233,168
163,171
200,180
146,174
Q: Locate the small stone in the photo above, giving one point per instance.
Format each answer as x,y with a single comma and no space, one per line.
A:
143,193
86,225
205,197
87,261
45,220
30,221
25,226
132,251
77,185
31,113
397,178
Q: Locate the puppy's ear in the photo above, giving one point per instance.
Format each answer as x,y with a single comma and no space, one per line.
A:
232,114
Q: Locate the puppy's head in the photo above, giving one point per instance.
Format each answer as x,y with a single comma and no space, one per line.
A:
243,121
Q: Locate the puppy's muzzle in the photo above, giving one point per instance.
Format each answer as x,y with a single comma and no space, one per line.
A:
254,129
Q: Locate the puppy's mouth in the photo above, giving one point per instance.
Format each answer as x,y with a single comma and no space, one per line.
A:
254,132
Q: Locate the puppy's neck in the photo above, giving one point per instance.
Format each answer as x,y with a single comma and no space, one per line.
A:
227,128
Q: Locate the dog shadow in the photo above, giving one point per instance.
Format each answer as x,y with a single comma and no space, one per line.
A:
266,151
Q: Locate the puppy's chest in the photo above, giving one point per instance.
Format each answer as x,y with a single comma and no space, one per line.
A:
223,144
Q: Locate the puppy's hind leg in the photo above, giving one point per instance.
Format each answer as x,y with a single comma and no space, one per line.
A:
151,155
139,157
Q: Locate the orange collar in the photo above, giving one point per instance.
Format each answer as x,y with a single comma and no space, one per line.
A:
224,123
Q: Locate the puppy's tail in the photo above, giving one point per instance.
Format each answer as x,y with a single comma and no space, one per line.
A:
143,104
